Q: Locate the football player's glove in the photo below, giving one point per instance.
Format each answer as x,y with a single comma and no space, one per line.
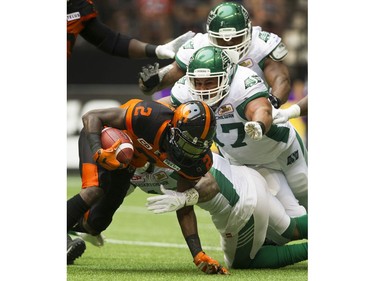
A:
151,76
171,200
254,129
283,115
107,157
168,50
208,265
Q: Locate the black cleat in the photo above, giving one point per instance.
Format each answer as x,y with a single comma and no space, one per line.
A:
75,249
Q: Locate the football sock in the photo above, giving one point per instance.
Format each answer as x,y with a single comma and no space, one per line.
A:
76,208
279,256
289,232
302,226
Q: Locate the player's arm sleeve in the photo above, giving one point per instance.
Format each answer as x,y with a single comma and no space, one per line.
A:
105,39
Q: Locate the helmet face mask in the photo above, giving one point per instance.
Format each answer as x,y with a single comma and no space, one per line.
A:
230,22
209,74
192,130
189,145
214,93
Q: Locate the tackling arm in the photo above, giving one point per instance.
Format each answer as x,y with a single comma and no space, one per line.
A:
117,44
277,76
95,120
207,188
93,123
259,112
188,223
303,106
186,215
294,111
170,201
153,79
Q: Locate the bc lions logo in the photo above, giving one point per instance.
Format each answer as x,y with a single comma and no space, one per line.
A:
190,113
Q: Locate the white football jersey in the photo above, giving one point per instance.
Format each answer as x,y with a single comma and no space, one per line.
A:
262,44
230,209
243,193
231,138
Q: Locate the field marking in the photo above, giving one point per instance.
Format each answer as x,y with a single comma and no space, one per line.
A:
156,244
143,210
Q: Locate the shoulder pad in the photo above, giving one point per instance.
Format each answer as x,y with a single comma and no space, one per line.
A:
279,52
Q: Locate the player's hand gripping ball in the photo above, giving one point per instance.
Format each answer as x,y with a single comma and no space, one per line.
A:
124,152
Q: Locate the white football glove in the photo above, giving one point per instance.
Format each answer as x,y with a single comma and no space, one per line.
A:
171,200
168,50
283,115
254,130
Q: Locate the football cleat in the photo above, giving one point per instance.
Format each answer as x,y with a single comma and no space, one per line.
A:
97,240
75,249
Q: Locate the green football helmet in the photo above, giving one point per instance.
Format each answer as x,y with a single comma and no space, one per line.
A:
229,20
211,62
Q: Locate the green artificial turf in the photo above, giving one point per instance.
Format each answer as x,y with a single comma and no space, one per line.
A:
144,246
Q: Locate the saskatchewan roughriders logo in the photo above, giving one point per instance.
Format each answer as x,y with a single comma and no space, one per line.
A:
251,81
264,36
188,45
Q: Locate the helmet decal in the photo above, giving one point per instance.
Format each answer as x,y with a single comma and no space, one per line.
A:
213,64
193,128
189,112
230,21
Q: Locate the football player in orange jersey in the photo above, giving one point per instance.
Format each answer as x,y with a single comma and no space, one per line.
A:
178,139
82,20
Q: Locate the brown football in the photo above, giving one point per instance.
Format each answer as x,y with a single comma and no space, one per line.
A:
124,152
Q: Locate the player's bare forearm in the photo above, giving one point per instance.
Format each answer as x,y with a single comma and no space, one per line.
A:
187,220
303,105
172,76
281,88
260,110
137,49
94,120
277,76
207,188
186,215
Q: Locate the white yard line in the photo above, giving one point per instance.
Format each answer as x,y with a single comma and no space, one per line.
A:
155,244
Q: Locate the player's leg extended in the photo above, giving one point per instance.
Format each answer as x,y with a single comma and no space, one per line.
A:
79,204
101,213
237,248
249,254
282,228
280,256
252,236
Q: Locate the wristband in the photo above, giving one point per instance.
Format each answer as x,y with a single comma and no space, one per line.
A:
192,197
194,244
262,126
150,51
275,101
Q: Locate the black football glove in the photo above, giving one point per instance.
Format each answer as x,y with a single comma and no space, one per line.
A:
149,78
